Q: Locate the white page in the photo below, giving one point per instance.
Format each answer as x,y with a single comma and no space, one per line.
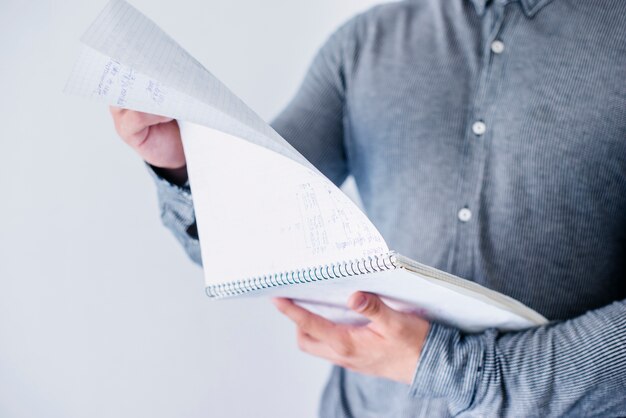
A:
98,76
405,291
127,37
259,212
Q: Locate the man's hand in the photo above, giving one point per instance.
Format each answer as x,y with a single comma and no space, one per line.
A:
389,346
155,138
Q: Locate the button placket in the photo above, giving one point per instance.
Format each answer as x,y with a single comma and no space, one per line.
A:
477,137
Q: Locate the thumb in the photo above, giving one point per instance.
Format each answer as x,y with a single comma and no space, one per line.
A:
371,307
165,119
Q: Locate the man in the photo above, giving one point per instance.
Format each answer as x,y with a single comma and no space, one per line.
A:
496,133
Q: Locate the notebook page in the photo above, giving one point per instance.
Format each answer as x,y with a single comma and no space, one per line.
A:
129,38
259,212
299,218
98,76
404,291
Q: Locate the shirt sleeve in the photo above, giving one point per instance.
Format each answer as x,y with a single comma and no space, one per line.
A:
569,368
177,214
312,122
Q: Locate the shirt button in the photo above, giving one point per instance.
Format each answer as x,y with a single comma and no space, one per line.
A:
479,127
464,215
497,47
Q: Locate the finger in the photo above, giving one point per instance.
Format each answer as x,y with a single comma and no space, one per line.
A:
338,338
149,119
373,308
311,345
133,126
116,111
314,325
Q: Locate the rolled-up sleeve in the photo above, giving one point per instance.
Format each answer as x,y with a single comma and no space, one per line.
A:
570,368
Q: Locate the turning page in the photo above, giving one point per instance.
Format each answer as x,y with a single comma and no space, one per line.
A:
128,61
261,207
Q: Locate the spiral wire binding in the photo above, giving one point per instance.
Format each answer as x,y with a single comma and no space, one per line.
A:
349,268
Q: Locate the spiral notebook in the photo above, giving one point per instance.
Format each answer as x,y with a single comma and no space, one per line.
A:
270,224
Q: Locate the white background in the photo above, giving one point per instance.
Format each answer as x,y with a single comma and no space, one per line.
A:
101,313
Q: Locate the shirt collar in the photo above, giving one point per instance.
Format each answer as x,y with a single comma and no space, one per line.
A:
530,7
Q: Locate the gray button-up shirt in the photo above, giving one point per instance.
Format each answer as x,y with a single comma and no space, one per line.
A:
487,139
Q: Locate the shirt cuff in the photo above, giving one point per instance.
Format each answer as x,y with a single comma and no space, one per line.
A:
449,367
168,191
177,213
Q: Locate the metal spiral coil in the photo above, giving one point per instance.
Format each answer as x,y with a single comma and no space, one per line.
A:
349,268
